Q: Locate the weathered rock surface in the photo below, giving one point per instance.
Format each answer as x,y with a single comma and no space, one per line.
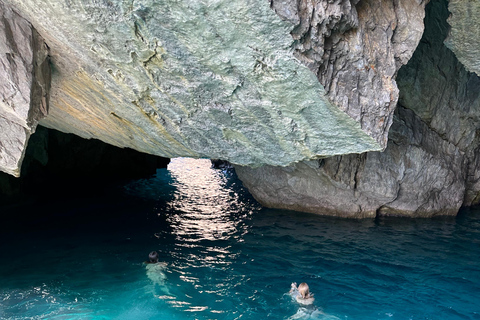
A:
301,87
219,79
464,37
24,86
431,164
356,48
215,79
418,175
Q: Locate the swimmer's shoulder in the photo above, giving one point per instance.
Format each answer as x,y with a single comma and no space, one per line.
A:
305,301
156,265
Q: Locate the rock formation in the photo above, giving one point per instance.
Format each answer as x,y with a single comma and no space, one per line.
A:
464,36
24,86
214,79
319,104
431,163
355,48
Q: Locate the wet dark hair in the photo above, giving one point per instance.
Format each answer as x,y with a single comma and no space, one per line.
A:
153,256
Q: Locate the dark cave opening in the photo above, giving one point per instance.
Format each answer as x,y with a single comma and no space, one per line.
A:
61,163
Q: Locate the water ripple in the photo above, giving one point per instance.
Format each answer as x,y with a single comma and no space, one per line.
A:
227,258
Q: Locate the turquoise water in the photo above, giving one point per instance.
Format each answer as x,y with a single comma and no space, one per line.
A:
80,257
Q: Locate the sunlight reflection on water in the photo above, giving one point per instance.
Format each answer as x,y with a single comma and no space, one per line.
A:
208,217
227,258
201,202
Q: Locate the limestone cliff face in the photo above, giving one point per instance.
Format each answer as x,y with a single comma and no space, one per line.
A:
215,79
356,48
233,80
24,86
464,35
320,104
431,164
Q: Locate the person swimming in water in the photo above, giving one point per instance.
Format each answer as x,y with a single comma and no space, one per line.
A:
302,293
156,271
152,257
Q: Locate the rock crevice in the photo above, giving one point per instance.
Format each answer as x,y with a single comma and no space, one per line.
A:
356,48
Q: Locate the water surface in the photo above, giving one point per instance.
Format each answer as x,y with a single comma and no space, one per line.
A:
81,257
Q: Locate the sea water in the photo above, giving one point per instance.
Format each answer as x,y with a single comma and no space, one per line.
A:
226,257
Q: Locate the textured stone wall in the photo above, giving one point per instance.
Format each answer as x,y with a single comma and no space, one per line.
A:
464,36
214,79
431,164
356,48
232,80
24,86
301,87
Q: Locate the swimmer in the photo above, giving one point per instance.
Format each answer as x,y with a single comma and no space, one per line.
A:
302,293
152,257
153,260
156,272
155,269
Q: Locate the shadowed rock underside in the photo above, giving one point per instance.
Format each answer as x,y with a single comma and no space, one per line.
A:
214,79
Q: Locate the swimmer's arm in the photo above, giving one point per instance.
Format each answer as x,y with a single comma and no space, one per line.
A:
293,287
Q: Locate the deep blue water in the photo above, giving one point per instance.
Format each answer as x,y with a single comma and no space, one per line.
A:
80,257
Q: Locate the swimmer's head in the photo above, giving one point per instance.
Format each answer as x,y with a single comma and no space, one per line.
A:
153,256
303,290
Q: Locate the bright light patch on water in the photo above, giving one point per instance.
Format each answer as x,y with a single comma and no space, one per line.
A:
202,203
81,257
